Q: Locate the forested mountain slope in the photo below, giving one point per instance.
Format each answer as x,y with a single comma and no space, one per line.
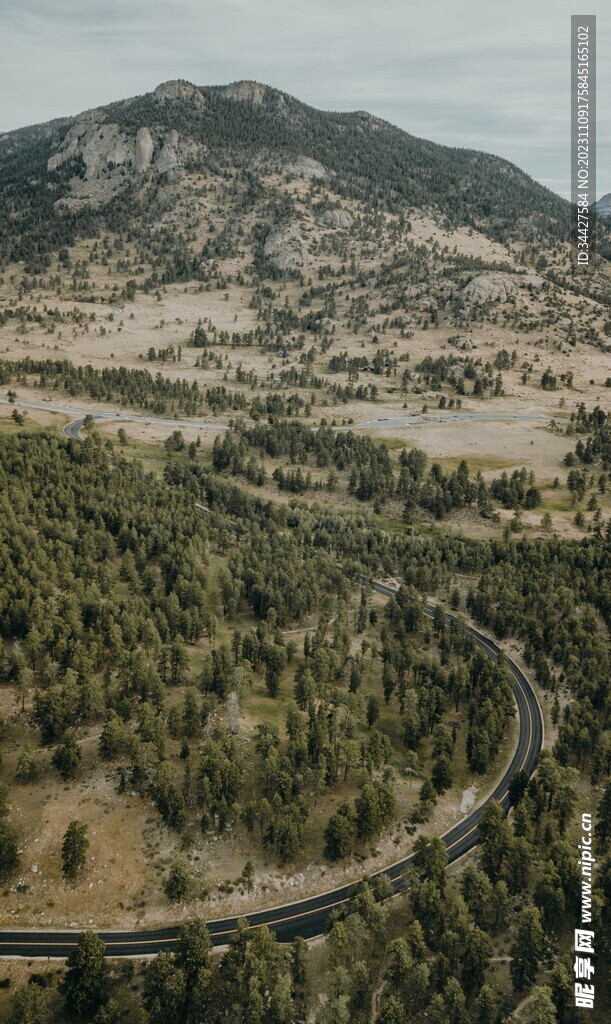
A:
125,145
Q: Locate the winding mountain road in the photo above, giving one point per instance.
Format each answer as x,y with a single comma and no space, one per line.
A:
72,429
417,419
307,917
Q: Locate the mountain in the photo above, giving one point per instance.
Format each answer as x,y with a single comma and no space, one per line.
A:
105,167
603,206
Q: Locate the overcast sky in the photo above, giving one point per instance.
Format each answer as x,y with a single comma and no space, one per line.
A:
480,74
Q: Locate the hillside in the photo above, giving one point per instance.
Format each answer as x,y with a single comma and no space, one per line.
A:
279,388
231,254
64,180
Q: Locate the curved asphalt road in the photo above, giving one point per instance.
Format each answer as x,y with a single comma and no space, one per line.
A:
72,429
413,420
307,917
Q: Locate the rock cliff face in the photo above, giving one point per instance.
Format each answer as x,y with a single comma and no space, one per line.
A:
256,94
245,92
167,161
497,287
113,157
103,147
98,143
145,148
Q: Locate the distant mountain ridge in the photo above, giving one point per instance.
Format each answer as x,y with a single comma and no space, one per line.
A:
64,179
603,206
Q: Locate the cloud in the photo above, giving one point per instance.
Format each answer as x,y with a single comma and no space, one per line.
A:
466,74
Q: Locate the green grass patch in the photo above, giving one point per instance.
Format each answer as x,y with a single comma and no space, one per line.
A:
393,443
483,463
9,427
150,453
393,524
555,501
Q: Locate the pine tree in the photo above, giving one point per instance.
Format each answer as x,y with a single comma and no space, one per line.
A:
31,1004
340,833
475,959
430,860
74,850
495,838
86,982
112,738
603,817
541,1010
27,769
179,883
527,948
67,757
486,1010
9,849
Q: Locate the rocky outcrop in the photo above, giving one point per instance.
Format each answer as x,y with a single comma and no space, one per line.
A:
497,287
178,90
305,167
96,141
245,92
337,219
167,161
370,121
145,147
284,248
100,144
255,93
112,156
